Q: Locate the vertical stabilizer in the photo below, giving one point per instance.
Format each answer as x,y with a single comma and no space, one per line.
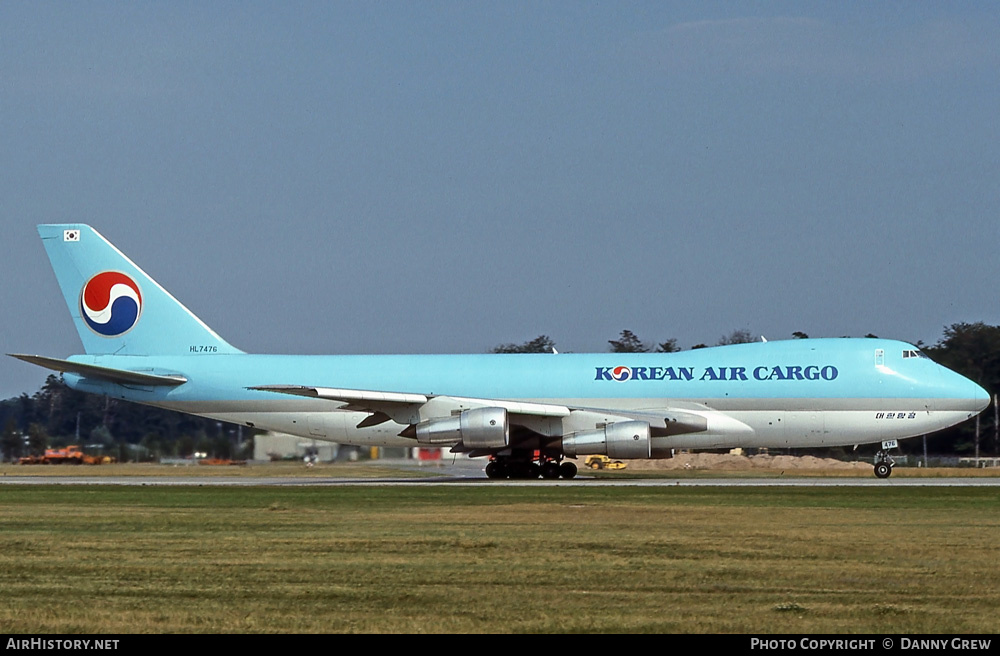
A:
116,307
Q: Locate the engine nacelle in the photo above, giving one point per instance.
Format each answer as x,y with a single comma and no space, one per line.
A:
479,428
623,439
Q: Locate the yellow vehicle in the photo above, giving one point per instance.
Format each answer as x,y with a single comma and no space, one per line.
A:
603,462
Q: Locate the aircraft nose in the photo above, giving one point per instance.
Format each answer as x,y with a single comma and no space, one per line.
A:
980,398
969,395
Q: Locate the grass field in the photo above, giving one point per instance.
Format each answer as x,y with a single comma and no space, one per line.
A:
439,558
364,469
376,469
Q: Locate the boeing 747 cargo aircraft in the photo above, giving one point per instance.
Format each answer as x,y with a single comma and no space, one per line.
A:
530,415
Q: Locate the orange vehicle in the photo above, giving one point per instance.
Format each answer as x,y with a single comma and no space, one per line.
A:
71,455
221,461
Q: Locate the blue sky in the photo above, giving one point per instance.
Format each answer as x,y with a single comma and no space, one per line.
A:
392,177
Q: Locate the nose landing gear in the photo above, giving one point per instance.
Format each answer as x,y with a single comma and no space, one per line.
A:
883,469
883,461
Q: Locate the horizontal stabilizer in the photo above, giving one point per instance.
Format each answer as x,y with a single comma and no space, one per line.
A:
123,376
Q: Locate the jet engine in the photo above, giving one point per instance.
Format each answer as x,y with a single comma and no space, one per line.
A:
479,428
622,439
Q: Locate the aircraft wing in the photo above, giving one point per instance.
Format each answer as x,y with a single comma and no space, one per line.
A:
358,399
410,408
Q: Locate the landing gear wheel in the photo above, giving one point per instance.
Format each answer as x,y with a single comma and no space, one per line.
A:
522,470
523,466
495,469
883,461
550,469
567,470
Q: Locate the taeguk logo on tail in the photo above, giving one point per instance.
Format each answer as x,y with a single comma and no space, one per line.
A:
111,303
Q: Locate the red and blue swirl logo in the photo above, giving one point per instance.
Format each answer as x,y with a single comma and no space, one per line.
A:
621,374
110,303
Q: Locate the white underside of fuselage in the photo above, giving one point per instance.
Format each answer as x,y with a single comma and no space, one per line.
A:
729,428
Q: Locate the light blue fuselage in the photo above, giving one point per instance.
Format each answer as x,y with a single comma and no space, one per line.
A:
824,392
143,345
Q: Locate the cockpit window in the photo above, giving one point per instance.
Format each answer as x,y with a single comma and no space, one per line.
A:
913,354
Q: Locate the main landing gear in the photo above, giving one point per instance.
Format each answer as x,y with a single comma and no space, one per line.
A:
528,467
883,461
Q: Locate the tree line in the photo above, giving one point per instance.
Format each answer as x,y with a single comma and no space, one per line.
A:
56,415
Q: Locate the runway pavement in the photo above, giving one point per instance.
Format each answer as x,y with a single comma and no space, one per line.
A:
253,481
465,473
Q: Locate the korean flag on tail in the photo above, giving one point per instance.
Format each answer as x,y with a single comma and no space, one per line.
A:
71,235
